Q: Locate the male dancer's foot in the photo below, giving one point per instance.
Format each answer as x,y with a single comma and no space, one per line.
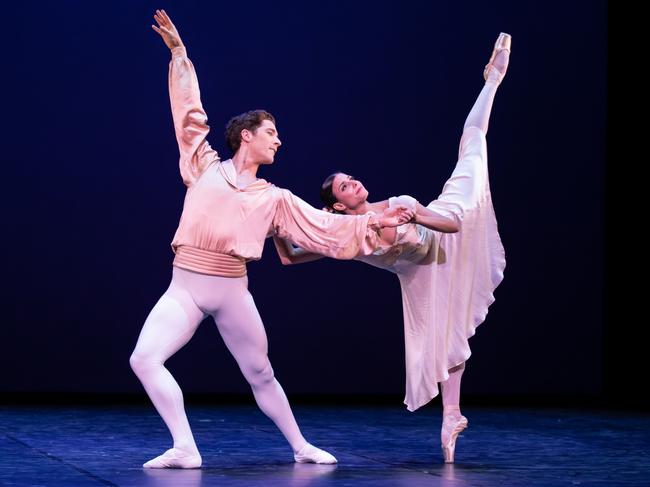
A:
175,458
310,454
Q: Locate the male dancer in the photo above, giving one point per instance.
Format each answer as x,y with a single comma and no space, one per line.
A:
227,214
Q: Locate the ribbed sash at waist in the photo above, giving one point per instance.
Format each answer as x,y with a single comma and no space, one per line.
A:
209,262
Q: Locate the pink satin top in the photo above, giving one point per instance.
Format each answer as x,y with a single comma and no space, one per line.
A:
223,226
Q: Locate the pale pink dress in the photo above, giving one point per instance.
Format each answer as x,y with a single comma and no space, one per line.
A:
447,279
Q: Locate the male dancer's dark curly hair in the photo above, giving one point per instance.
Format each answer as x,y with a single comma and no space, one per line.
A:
250,120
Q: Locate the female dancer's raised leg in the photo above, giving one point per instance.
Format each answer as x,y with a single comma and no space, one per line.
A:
495,70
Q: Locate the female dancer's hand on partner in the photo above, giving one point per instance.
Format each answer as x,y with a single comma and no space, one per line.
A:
167,30
395,216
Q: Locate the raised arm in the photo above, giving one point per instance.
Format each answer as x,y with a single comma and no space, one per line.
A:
167,30
190,120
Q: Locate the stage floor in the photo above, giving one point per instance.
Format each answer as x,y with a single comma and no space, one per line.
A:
375,446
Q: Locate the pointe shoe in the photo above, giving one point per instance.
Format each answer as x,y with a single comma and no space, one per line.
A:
175,458
451,427
310,454
496,73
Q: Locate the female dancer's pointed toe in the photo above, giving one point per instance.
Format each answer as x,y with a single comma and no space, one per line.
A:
451,428
495,69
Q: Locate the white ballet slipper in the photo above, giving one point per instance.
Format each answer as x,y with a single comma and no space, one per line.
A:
175,458
310,454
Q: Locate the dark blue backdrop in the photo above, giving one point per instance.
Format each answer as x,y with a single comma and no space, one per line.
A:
377,89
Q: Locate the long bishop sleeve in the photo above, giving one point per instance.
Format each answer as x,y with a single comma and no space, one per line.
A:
337,236
190,120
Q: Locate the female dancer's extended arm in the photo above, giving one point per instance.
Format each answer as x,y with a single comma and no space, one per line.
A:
430,219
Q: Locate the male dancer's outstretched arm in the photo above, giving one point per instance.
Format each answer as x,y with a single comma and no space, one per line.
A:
190,120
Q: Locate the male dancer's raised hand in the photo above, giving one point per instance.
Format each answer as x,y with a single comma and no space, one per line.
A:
167,29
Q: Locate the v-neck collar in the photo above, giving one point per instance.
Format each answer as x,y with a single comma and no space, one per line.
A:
229,173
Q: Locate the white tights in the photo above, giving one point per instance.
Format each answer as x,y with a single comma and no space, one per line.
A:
479,115
170,325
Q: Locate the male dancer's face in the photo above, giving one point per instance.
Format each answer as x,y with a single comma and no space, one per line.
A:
348,191
264,143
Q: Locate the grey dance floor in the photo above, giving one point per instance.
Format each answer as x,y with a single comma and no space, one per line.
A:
375,446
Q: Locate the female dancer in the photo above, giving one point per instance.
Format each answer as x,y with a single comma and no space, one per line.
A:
449,260
227,214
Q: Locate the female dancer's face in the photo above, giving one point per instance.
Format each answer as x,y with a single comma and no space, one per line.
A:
348,191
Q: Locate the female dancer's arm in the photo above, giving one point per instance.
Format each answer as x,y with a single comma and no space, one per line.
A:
430,219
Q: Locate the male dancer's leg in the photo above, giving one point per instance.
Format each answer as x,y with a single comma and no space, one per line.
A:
169,326
243,332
